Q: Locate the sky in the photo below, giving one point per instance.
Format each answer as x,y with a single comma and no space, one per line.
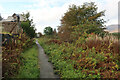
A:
49,12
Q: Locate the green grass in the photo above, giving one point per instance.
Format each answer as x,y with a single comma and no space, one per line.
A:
29,69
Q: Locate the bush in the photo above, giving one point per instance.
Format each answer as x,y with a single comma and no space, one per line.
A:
92,57
11,59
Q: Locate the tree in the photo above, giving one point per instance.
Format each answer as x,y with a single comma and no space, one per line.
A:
26,16
28,26
48,31
54,32
80,15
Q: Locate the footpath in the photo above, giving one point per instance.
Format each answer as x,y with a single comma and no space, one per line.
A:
46,68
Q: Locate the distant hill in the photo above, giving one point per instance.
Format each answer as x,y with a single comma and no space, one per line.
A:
113,28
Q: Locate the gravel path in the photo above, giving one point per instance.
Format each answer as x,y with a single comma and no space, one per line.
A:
46,68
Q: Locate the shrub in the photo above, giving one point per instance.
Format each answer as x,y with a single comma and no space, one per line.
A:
11,59
92,57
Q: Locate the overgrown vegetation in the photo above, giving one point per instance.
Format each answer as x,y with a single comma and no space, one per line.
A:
14,46
83,49
92,57
29,68
11,54
80,49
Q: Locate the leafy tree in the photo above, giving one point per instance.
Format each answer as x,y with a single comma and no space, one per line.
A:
26,16
28,26
48,31
54,32
80,15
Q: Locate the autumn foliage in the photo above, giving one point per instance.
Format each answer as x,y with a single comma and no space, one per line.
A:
85,17
84,49
91,57
11,54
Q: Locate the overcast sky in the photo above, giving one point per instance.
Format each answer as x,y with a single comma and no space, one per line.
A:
49,12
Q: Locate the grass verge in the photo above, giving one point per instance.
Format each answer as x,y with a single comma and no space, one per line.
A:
29,68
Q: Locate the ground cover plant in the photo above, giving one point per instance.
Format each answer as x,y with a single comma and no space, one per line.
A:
92,57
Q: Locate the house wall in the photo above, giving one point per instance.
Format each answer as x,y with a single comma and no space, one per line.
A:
0,27
8,26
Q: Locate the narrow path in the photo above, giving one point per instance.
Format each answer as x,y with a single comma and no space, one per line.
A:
46,68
